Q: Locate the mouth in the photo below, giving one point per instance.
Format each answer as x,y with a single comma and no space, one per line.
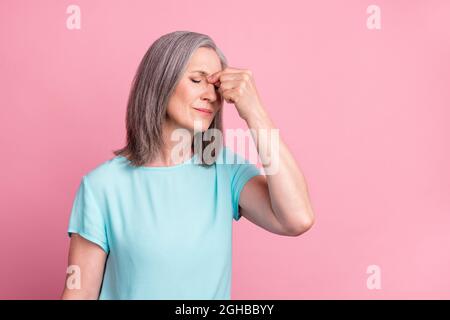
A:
204,111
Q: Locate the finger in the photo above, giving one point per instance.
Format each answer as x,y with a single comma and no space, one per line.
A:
231,77
213,78
224,77
229,84
229,95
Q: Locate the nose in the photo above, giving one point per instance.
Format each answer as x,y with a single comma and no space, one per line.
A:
210,93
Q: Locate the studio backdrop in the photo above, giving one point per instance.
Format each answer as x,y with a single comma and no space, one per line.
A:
360,91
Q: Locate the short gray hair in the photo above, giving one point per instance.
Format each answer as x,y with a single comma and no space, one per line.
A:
154,82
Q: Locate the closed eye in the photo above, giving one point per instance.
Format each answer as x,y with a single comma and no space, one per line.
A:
198,81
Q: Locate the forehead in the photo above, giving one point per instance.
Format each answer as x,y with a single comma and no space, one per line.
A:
204,61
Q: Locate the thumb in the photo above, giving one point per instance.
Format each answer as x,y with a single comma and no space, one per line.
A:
214,77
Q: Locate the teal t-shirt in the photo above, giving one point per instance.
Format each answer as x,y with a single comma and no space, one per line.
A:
167,230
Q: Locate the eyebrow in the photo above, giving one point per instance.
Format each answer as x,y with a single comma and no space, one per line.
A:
201,71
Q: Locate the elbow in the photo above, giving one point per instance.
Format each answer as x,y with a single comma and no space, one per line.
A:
302,226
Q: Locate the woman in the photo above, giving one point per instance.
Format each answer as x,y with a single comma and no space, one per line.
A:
153,224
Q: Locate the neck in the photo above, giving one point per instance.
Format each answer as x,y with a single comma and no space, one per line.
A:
164,157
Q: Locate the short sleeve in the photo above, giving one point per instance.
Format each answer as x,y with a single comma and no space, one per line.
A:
242,173
86,218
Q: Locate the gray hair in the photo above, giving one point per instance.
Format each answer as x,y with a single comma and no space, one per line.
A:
154,82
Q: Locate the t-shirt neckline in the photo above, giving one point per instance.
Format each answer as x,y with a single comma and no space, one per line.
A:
182,164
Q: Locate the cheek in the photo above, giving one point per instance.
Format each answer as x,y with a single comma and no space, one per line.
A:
177,110
187,91
185,96
180,104
180,95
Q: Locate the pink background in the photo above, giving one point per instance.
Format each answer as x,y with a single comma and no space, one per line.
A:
365,112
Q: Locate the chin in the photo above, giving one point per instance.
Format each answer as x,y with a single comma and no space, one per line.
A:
199,123
203,127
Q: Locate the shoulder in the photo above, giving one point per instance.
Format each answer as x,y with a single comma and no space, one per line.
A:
106,172
237,164
229,157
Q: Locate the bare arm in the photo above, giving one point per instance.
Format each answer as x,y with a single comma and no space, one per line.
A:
278,202
90,258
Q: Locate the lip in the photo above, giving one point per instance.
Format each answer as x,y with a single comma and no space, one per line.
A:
204,111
